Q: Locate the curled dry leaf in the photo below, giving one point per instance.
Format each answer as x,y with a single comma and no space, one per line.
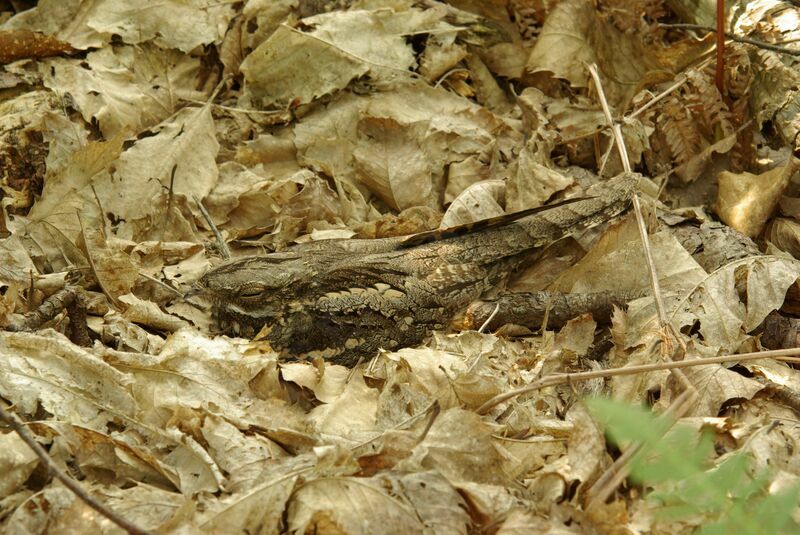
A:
745,201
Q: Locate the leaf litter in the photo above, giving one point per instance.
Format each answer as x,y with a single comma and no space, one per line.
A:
305,120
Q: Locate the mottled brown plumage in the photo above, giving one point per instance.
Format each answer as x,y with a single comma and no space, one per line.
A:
346,299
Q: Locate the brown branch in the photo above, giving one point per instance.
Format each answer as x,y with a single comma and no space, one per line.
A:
563,378
719,73
732,37
223,247
66,479
70,299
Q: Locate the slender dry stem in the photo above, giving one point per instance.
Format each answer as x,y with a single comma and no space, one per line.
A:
19,428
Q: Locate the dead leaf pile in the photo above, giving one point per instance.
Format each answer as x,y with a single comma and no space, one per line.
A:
300,120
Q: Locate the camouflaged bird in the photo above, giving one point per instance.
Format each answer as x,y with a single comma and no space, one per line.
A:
346,299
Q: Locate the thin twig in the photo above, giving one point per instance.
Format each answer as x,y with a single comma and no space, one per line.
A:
563,378
93,267
732,37
653,101
170,195
719,71
223,247
626,165
162,284
490,318
433,409
235,109
12,421
446,75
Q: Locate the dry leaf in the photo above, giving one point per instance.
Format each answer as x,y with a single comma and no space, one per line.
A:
745,201
126,89
17,462
575,35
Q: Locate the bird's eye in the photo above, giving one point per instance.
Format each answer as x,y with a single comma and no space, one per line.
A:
251,290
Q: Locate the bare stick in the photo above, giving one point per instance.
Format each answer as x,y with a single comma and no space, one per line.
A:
170,195
719,71
732,37
223,247
563,378
601,492
446,75
18,427
490,318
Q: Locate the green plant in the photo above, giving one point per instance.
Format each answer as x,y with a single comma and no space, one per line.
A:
685,481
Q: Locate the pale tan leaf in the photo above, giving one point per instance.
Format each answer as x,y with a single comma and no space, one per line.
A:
432,373
481,200
17,462
532,184
147,313
520,521
617,263
186,140
576,34
258,510
577,336
391,162
779,373
120,461
244,458
715,304
65,137
181,24
745,201
716,385
114,269
440,507
350,505
350,415
125,88
436,128
441,54
693,168
459,446
192,372
52,508
64,19
296,67
15,263
68,190
492,501
68,381
278,71
586,451
767,283
784,233
463,174
148,507
301,373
